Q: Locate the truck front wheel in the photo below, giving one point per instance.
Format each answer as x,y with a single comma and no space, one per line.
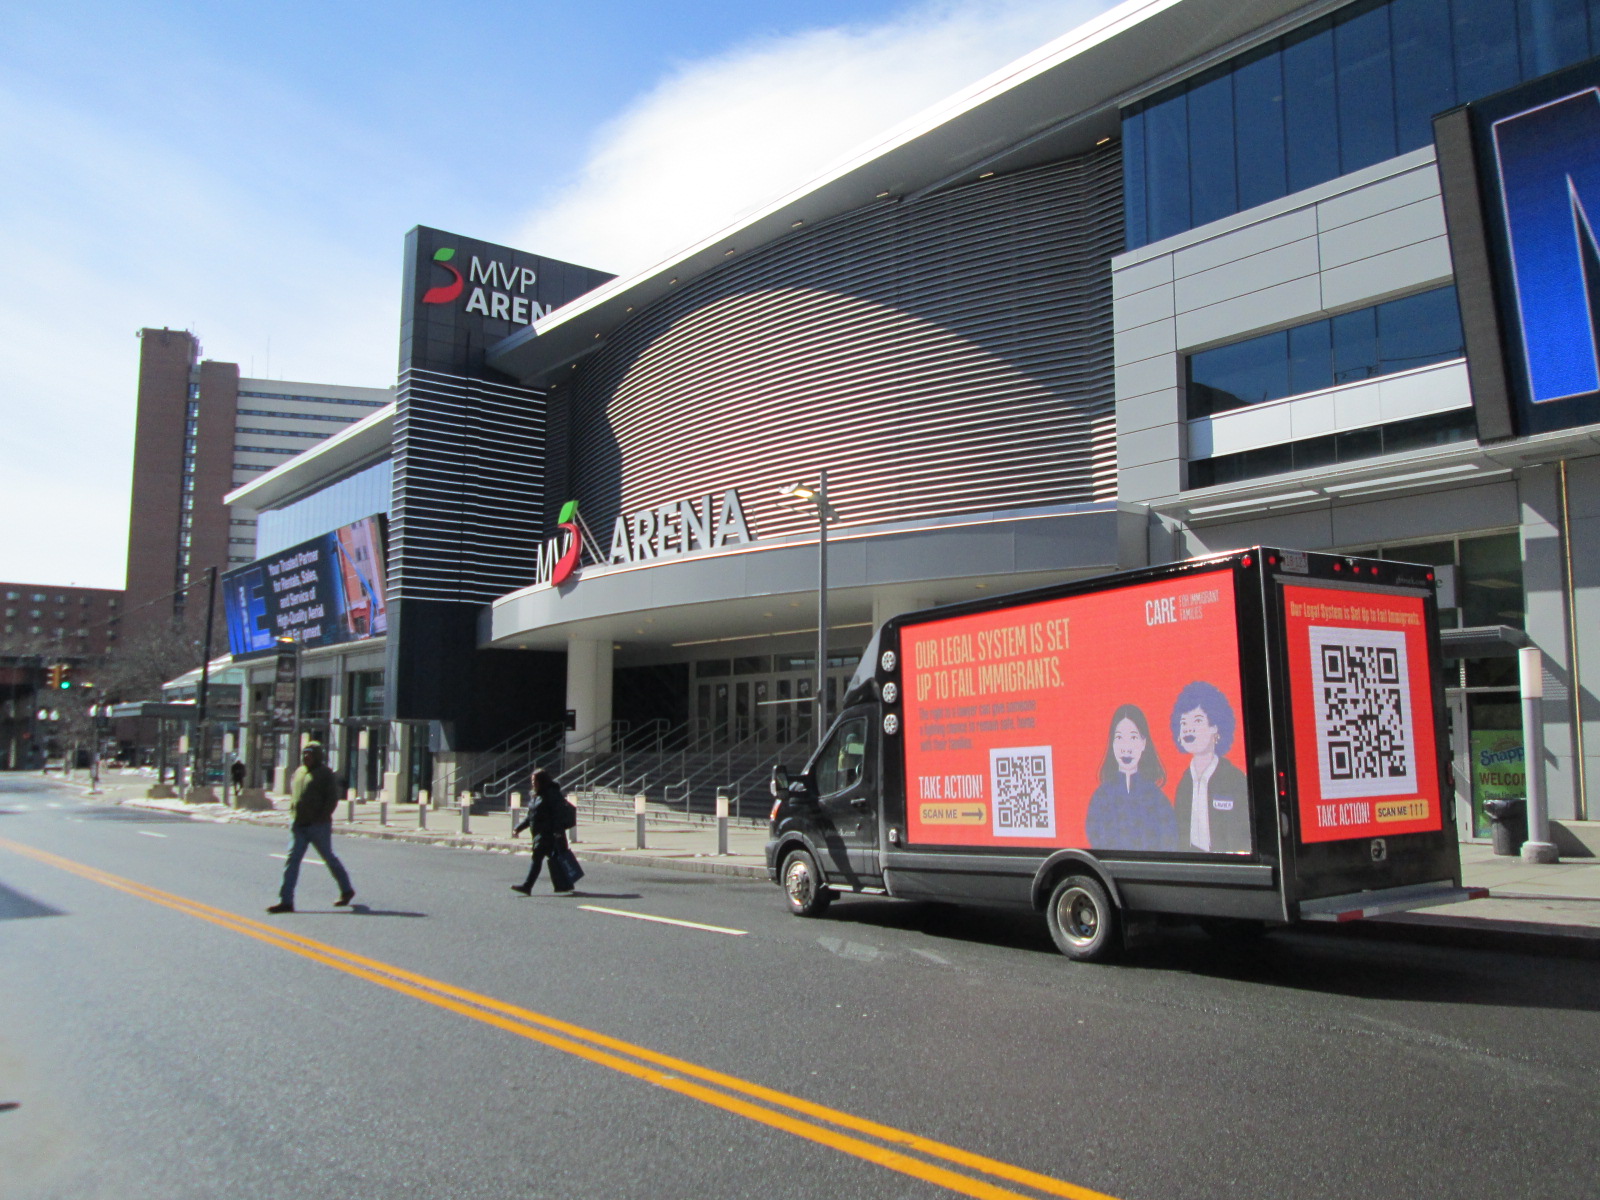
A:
803,887
1083,920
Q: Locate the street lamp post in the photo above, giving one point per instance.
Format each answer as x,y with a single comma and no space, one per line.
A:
818,495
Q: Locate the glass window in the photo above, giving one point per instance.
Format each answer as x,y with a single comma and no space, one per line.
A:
1490,584
1366,86
1311,122
1486,46
1310,358
1355,346
712,668
1243,373
1425,83
1553,34
1258,120
1133,177
1214,191
843,760
1167,128
1419,330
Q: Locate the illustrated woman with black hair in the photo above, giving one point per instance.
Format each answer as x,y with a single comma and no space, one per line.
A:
1213,798
1129,811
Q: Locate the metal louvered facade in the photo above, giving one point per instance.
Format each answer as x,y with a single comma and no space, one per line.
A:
950,355
468,487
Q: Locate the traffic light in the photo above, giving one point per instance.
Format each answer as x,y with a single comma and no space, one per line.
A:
66,676
53,676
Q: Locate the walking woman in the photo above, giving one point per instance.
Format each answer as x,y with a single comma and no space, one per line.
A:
549,817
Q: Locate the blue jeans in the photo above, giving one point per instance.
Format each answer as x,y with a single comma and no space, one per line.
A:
320,836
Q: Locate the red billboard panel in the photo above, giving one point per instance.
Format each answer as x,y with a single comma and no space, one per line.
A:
1365,748
1109,720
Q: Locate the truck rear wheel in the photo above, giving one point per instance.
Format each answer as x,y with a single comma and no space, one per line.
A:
1083,920
803,887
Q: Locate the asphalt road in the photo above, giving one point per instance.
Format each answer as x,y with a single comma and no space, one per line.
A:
161,1038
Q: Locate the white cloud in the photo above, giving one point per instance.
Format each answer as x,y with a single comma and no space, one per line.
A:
722,136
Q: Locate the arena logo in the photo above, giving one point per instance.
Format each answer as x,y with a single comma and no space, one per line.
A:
558,558
499,291
667,530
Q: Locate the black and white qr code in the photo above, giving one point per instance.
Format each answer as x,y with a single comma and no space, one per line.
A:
1362,692
1021,780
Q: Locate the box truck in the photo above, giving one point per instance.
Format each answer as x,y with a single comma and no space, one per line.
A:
1251,739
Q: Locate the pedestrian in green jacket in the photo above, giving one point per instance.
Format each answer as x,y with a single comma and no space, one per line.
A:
313,797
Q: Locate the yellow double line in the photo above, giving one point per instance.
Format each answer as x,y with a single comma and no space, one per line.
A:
893,1148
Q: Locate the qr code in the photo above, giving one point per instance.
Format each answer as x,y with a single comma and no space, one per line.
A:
1022,784
1361,690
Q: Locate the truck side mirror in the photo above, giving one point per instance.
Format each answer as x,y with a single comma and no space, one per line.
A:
780,781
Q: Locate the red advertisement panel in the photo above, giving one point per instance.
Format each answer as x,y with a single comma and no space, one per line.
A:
1365,754
1109,721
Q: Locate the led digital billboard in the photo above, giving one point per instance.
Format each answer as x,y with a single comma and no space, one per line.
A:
327,590
1366,755
1110,720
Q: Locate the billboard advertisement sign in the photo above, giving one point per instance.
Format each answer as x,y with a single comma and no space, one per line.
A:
1366,754
1110,720
327,590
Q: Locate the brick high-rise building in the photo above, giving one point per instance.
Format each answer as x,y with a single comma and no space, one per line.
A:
201,431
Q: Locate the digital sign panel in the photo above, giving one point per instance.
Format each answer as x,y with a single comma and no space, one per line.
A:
1365,751
1110,720
330,589
1522,196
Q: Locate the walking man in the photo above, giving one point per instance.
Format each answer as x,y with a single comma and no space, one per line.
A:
547,816
314,795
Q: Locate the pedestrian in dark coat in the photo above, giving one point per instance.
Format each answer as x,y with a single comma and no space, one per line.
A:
547,812
314,795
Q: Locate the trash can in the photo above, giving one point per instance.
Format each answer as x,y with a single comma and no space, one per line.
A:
1509,819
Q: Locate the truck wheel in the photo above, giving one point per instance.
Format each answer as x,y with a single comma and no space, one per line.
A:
803,887
1083,920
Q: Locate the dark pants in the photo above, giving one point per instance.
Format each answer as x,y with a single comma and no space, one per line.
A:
545,846
320,836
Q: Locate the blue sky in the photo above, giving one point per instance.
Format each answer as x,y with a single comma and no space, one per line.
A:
249,171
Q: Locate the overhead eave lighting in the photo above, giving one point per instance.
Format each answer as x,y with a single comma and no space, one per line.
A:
1406,479
1255,502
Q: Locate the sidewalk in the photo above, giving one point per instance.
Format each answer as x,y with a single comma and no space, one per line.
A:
1548,909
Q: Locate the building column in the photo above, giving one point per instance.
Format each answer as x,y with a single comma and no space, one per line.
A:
1545,601
589,695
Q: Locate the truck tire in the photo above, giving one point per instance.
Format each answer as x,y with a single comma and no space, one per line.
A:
803,887
1083,920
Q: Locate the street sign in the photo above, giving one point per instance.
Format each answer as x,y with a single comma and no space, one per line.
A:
284,686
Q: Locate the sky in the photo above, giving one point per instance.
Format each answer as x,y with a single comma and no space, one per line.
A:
248,172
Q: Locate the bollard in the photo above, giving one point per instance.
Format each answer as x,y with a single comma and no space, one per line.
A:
514,809
1538,848
350,811
466,814
722,823
638,820
383,812
422,815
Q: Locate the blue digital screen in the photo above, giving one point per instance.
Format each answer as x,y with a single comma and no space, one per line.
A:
1539,152
321,592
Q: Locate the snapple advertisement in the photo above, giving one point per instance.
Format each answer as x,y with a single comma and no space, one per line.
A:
1109,721
1366,759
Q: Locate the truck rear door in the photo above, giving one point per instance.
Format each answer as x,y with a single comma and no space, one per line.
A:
1363,771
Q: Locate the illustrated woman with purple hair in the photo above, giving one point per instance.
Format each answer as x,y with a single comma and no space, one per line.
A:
1213,797
1129,811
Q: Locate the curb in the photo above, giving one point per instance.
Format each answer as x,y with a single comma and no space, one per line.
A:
700,864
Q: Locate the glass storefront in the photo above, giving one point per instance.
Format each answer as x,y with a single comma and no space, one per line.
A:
763,698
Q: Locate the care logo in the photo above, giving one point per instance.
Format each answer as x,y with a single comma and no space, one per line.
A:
444,292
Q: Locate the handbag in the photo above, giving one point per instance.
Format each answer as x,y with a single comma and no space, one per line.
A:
569,865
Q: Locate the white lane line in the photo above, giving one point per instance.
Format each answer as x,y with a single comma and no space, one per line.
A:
147,833
315,862
619,912
53,804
